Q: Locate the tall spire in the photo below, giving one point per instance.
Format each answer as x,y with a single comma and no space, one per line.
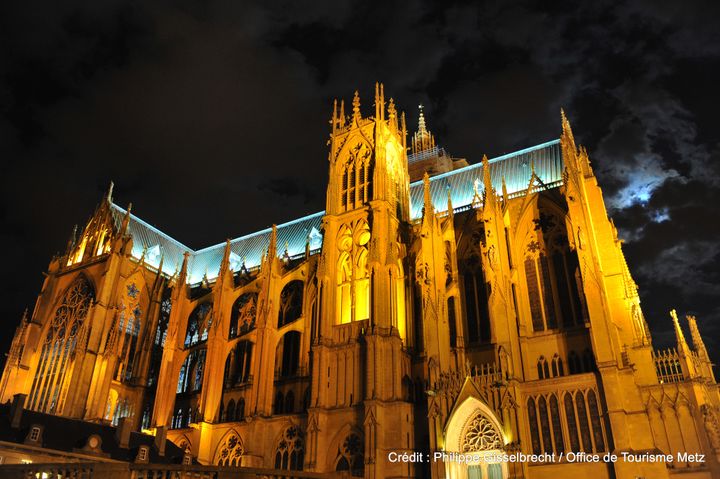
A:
225,263
421,121
428,204
272,247
392,115
356,107
422,140
182,277
379,101
679,336
567,141
697,340
489,193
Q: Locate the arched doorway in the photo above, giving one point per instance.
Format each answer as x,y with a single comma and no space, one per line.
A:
474,432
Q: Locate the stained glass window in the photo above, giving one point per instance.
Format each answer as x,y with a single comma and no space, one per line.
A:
49,384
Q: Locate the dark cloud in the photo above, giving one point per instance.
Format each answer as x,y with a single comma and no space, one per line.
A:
211,117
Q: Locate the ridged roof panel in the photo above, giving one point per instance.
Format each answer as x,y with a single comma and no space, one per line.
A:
515,167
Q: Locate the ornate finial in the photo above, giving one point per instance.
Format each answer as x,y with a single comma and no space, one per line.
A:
379,101
126,220
272,247
450,208
342,113
110,192
334,120
504,189
487,181
421,120
566,138
392,115
182,277
428,205
225,263
356,107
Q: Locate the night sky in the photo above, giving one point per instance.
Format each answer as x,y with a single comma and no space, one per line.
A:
212,117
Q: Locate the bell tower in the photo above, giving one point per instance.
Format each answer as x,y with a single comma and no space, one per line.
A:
359,358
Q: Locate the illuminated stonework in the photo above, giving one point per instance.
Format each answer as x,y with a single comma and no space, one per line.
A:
485,308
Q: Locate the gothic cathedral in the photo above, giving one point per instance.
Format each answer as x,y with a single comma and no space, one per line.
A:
436,318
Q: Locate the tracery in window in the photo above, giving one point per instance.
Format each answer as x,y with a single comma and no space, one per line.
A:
199,324
191,372
238,364
351,455
355,187
552,275
291,303
231,451
47,393
242,315
544,422
353,275
480,435
290,452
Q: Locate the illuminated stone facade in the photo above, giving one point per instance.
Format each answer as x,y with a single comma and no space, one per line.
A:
485,309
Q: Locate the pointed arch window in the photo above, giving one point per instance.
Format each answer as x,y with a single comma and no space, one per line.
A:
351,456
47,393
231,451
476,305
191,372
291,303
557,366
242,315
199,324
451,321
355,187
290,451
238,364
543,368
553,279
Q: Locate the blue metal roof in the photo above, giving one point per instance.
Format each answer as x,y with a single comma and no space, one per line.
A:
249,249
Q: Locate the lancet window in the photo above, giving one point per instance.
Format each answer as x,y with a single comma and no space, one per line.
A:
160,337
56,356
291,303
545,424
476,305
552,275
129,326
237,365
353,276
199,324
191,372
242,315
355,185
350,456
289,353
452,325
582,422
290,452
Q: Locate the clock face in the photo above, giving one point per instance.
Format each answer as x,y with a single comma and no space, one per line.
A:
94,442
